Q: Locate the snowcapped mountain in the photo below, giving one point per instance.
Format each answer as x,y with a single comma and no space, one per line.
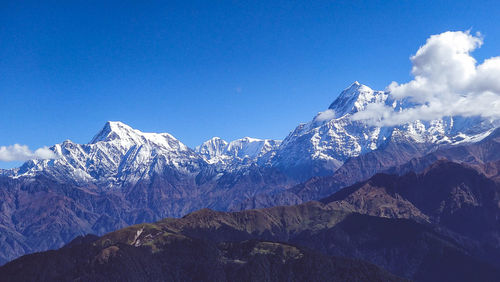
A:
322,145
117,154
244,150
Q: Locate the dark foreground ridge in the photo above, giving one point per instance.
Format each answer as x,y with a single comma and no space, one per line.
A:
308,242
180,258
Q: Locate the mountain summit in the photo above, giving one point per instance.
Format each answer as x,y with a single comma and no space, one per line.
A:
355,98
118,131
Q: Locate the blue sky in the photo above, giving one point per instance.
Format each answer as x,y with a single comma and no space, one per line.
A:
199,69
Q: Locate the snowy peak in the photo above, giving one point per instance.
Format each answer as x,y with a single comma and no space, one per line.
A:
113,130
355,98
248,147
117,154
212,148
126,136
217,150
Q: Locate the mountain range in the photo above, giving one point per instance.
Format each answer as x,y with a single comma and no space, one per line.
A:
124,176
119,155
356,235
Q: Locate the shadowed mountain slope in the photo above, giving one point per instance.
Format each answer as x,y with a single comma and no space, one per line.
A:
455,196
211,238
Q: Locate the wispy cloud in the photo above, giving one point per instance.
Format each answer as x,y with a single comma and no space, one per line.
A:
447,82
18,152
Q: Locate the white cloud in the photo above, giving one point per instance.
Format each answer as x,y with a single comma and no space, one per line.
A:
447,82
326,115
18,152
